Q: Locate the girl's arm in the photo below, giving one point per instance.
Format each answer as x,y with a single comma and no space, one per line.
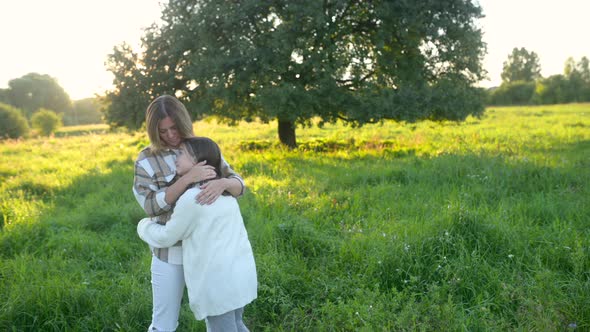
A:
180,226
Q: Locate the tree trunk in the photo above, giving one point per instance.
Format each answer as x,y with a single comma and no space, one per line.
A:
287,133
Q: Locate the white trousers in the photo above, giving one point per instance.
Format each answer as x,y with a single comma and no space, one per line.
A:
167,290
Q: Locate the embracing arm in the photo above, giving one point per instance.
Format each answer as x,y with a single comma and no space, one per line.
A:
230,182
148,194
157,198
236,186
198,173
180,226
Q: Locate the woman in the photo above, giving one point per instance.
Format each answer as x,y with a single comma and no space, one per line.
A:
157,188
219,267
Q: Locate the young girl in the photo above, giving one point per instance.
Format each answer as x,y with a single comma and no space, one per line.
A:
219,266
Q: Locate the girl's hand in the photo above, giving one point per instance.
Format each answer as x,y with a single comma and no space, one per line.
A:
200,172
211,191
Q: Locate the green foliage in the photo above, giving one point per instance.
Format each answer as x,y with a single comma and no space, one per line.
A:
46,121
361,62
521,65
433,226
513,93
551,90
12,122
4,96
126,104
578,80
572,86
83,111
33,91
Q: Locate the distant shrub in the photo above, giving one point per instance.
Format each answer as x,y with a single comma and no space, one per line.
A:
13,123
255,145
46,121
513,93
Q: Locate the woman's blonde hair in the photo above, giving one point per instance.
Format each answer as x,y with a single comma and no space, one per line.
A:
160,108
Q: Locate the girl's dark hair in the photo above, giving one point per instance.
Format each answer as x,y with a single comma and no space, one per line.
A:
203,148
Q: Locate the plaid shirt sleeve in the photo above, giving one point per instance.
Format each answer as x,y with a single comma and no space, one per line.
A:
228,172
152,176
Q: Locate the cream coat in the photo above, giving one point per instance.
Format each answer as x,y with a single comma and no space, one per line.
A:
219,267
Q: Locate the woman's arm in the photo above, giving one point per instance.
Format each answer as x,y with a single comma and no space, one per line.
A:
153,184
148,192
197,173
213,189
228,172
230,182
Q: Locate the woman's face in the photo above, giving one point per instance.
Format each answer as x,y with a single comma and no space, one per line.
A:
184,161
169,132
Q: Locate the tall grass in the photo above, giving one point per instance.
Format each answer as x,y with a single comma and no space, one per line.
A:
481,225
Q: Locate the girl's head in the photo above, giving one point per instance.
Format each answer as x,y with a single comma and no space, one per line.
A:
167,122
195,150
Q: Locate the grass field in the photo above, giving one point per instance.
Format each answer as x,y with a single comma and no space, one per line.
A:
477,226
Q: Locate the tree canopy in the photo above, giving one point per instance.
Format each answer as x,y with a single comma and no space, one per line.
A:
521,65
356,61
34,91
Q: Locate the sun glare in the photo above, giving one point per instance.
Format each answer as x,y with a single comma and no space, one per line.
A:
555,31
70,40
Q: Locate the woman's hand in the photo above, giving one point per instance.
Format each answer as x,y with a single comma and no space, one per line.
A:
200,172
211,191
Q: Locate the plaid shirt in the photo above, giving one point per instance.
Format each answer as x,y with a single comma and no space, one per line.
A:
154,173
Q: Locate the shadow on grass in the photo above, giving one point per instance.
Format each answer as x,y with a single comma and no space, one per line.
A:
325,239
93,202
82,246
480,228
78,265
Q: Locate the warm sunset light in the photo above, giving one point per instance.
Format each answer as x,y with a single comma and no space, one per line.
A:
70,40
286,165
553,30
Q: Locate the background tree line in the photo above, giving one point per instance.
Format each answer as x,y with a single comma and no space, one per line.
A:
523,84
293,62
38,100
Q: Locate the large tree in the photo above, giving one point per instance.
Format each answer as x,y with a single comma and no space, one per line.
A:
521,65
125,105
358,61
34,91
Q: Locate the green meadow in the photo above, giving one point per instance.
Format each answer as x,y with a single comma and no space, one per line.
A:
475,226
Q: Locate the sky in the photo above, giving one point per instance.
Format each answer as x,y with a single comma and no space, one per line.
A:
70,39
555,30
